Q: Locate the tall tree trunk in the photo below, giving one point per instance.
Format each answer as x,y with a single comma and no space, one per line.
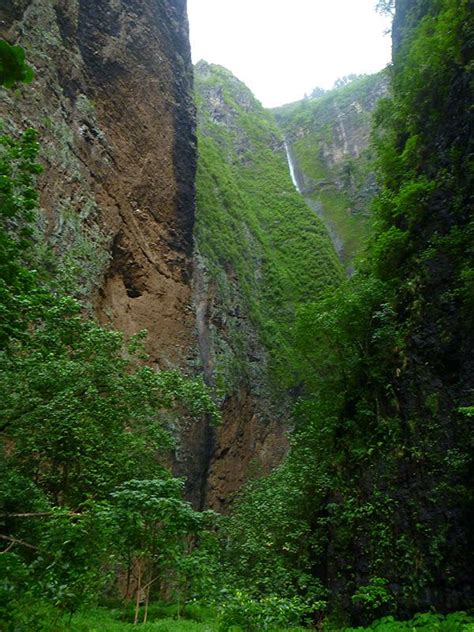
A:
147,596
139,589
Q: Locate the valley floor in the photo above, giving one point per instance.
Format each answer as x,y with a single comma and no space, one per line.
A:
163,619
104,620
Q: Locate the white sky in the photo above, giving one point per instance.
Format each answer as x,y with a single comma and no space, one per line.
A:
283,49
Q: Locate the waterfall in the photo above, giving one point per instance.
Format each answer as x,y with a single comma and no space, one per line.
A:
291,167
317,207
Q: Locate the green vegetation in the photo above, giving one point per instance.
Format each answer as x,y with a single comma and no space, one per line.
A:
162,618
455,622
84,498
370,516
371,511
13,67
198,619
260,243
328,137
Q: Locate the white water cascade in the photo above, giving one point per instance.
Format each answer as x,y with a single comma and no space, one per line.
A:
291,167
316,207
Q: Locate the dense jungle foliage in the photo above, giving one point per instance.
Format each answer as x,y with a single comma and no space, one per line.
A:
370,516
371,513
256,236
84,499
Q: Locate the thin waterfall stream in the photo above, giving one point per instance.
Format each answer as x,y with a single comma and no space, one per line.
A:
316,206
291,166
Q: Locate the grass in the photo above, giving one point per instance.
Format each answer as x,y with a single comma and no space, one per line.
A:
104,620
202,619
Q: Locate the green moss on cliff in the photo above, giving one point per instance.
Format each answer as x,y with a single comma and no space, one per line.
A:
372,511
329,142
260,243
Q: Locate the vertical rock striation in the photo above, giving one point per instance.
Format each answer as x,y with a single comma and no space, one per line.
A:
112,101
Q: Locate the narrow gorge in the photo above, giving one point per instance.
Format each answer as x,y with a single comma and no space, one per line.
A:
236,374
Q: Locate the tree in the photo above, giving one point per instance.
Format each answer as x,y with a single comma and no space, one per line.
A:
346,80
154,524
20,295
318,92
13,67
80,415
385,7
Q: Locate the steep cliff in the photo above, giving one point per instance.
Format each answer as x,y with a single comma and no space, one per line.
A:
372,511
328,143
262,255
112,101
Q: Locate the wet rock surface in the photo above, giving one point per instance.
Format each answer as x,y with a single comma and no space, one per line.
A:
112,102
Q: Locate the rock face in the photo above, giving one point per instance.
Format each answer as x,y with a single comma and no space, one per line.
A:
439,376
328,143
421,471
113,104
262,254
112,101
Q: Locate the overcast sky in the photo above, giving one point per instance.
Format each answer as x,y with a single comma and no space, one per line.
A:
283,49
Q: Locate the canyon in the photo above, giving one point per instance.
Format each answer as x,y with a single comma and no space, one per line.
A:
117,123
309,269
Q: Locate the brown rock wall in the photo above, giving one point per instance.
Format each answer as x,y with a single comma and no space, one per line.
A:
112,100
246,446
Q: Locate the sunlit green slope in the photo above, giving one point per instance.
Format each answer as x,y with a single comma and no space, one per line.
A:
328,138
265,252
